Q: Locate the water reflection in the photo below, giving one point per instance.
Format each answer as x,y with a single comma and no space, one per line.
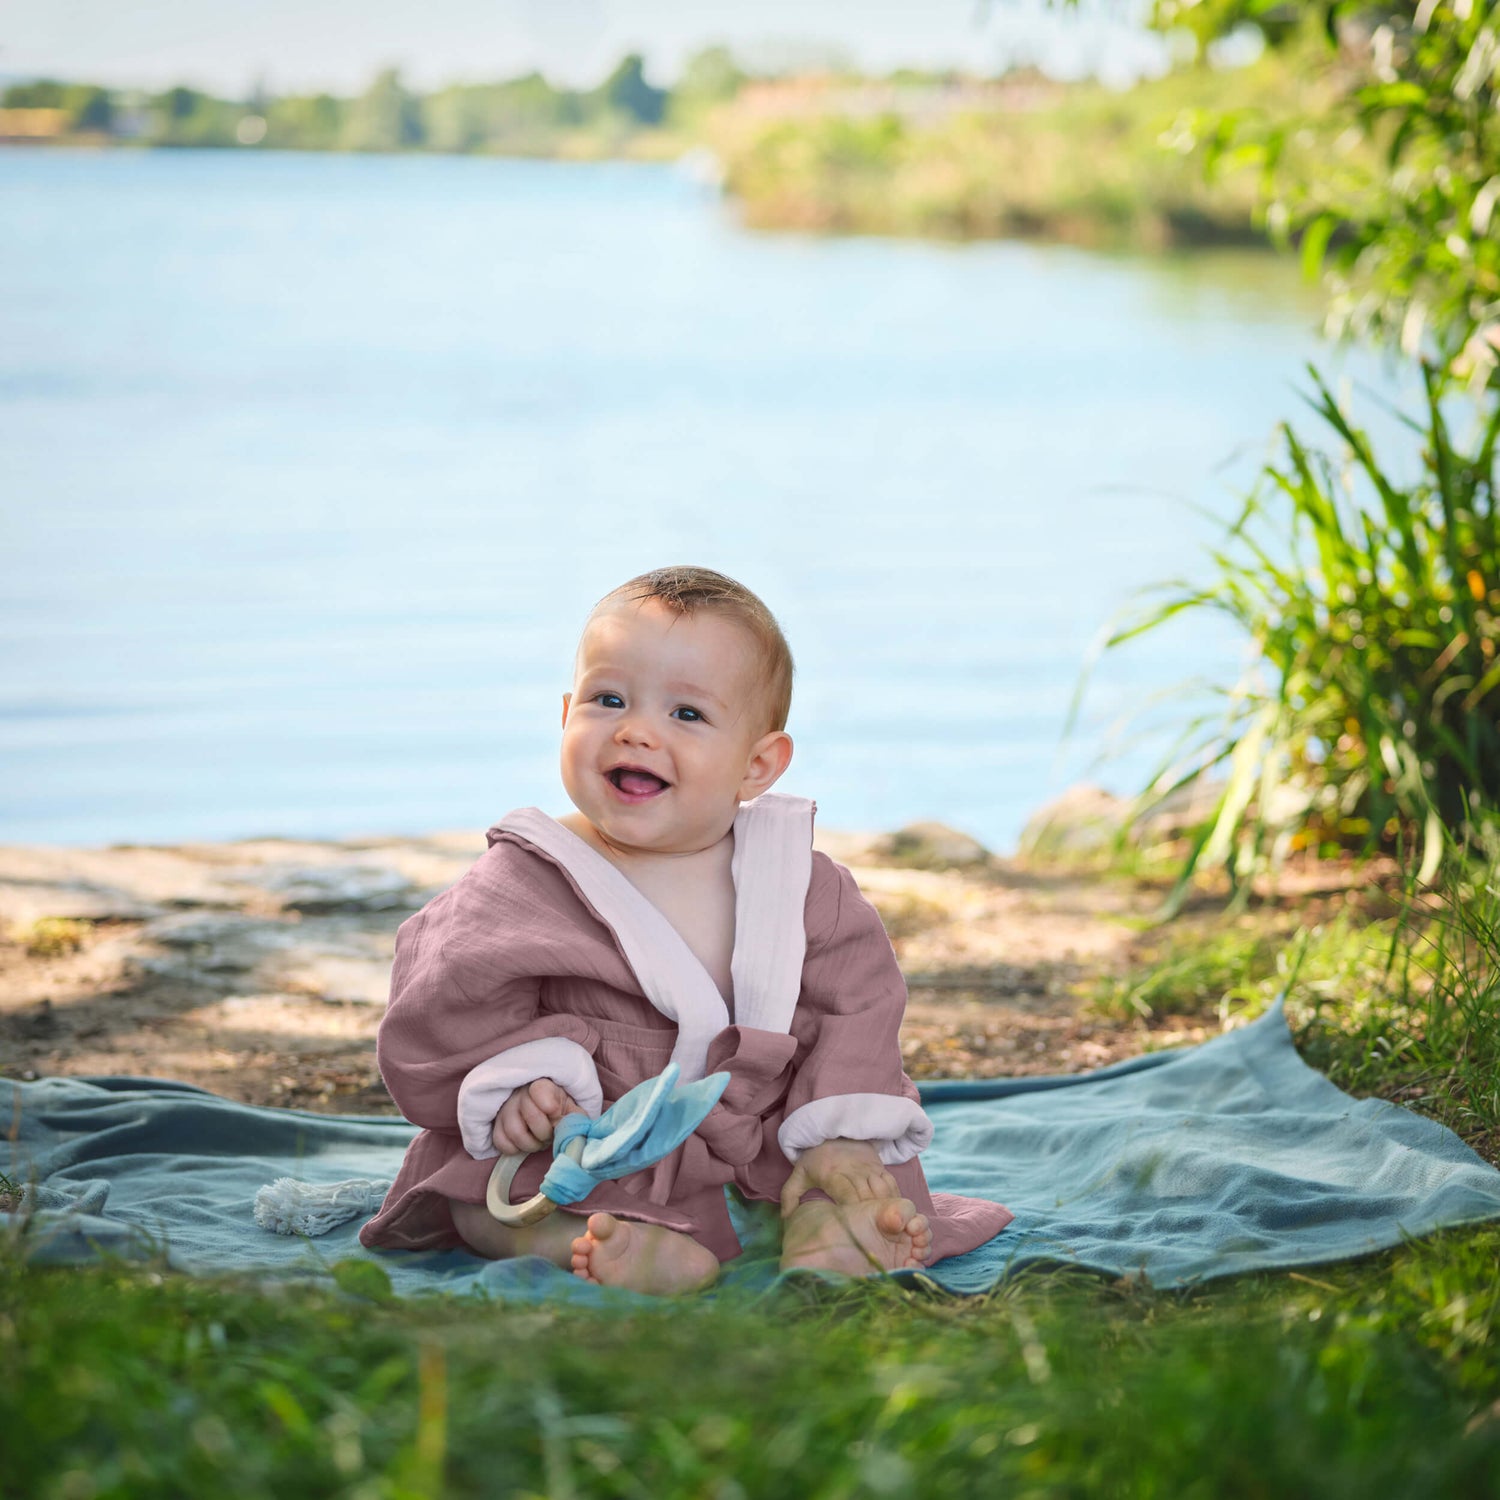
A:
315,463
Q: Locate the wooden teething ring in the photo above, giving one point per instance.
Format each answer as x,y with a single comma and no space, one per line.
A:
533,1210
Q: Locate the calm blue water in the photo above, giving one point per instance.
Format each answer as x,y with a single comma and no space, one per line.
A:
312,466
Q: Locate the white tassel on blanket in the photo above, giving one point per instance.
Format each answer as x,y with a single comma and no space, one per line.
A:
287,1206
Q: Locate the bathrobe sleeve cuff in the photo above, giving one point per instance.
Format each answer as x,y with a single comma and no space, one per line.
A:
489,1084
895,1125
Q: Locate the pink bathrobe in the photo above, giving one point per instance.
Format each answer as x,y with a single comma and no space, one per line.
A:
544,961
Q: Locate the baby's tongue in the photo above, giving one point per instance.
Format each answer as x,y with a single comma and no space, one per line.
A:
639,782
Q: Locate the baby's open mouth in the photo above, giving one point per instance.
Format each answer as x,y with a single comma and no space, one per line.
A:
635,782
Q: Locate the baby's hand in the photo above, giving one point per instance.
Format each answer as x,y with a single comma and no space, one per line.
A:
528,1118
848,1171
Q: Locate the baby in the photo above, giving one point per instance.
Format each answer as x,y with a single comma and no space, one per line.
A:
678,914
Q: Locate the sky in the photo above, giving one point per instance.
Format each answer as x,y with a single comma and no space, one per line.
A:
230,46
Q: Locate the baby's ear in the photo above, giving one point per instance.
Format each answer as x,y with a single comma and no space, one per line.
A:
769,757
567,699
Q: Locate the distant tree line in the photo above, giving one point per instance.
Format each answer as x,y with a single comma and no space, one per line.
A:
519,115
87,107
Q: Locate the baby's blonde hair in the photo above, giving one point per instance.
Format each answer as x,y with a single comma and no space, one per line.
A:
686,590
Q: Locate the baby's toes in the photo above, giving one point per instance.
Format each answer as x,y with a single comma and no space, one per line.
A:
583,1250
921,1236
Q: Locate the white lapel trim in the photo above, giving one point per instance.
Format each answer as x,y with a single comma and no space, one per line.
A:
772,866
667,969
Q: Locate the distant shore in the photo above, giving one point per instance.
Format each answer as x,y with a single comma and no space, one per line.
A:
934,156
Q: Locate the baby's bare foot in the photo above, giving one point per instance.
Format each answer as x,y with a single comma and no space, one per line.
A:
858,1239
641,1257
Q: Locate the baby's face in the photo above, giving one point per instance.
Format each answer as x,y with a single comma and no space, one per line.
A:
664,733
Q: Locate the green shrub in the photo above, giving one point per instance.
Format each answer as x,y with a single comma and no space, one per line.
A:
52,937
1367,718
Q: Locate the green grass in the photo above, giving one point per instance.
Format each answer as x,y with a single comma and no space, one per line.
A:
1193,977
1406,1007
1375,1375
121,1381
1423,1028
1234,968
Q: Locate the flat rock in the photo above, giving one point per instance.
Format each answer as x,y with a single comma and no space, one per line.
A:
138,883
1087,820
104,884
847,848
1084,820
1182,810
323,958
321,890
932,846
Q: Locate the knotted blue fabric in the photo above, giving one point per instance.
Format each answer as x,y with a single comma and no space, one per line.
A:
636,1131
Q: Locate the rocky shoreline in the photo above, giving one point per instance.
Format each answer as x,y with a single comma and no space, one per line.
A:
259,969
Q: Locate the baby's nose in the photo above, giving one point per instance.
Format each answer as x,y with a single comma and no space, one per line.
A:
636,729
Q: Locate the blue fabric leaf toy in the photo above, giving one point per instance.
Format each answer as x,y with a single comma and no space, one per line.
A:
636,1131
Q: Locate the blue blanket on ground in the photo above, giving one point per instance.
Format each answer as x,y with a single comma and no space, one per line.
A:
1181,1166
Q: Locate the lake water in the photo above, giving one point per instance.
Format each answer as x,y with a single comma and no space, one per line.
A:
311,466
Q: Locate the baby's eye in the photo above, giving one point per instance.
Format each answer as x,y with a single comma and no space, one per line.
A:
609,700
689,715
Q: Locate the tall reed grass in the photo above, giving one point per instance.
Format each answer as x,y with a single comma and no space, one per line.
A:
1367,716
